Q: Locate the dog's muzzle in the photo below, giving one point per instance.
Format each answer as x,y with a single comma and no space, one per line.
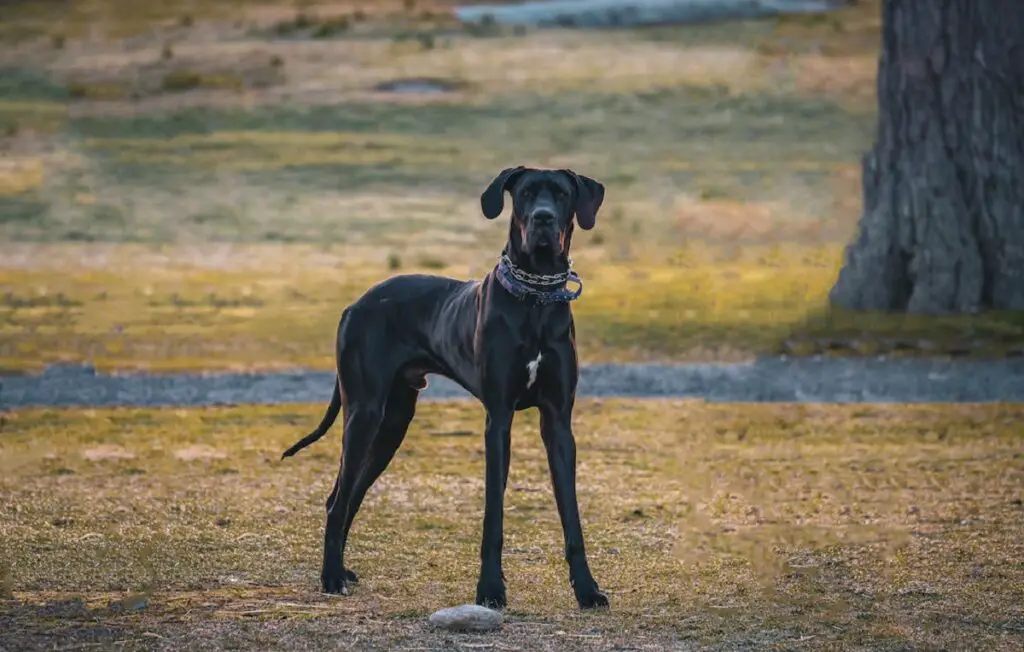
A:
542,233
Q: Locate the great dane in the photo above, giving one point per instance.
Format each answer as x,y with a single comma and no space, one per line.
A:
508,339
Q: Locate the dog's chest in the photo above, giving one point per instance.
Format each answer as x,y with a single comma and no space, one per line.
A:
533,362
542,337
531,369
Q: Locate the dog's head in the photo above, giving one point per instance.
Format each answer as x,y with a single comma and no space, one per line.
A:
544,203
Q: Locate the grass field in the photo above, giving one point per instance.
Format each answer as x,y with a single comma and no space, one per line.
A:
714,133
730,526
204,185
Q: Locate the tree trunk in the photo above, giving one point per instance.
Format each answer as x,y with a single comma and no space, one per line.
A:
943,224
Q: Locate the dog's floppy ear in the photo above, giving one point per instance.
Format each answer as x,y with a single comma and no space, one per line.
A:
589,197
492,201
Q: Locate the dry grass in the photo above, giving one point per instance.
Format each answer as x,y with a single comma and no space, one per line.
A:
727,526
272,307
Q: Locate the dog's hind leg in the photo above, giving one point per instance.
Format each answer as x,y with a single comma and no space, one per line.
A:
370,442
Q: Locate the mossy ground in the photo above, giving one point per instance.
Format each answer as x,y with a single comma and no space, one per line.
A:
725,525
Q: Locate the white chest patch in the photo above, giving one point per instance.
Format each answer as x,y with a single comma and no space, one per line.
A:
531,368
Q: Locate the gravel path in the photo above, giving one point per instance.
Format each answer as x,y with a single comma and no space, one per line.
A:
630,13
767,380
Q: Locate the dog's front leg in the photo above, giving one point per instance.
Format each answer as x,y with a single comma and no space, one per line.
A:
556,431
490,588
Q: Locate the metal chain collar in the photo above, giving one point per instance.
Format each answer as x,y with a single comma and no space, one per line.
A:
522,284
536,279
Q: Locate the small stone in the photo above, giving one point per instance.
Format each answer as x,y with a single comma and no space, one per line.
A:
467,618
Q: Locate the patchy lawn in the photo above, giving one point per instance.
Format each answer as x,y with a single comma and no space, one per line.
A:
275,307
729,526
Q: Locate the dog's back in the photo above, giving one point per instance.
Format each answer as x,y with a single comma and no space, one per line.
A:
423,299
418,324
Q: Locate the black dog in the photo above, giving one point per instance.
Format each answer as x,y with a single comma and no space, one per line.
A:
509,340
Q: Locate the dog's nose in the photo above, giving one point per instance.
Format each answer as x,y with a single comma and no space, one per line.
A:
543,217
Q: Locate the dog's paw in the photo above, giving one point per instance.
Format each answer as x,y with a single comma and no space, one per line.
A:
590,597
351,577
335,583
491,593
595,600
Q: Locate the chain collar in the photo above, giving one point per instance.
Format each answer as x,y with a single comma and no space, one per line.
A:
542,288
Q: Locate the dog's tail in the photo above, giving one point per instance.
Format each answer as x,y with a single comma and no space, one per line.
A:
325,424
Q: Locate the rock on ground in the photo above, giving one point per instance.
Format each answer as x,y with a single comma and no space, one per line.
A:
467,618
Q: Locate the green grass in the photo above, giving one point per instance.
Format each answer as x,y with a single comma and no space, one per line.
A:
30,104
277,306
846,527
286,162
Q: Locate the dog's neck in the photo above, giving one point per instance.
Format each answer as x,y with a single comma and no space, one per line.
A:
543,281
545,264
534,265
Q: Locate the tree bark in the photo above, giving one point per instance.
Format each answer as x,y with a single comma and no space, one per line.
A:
942,229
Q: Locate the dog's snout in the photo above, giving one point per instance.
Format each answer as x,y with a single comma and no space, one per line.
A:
543,217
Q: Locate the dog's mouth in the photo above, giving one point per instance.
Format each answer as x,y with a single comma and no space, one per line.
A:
544,249
543,243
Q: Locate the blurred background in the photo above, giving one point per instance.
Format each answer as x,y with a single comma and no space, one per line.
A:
205,184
